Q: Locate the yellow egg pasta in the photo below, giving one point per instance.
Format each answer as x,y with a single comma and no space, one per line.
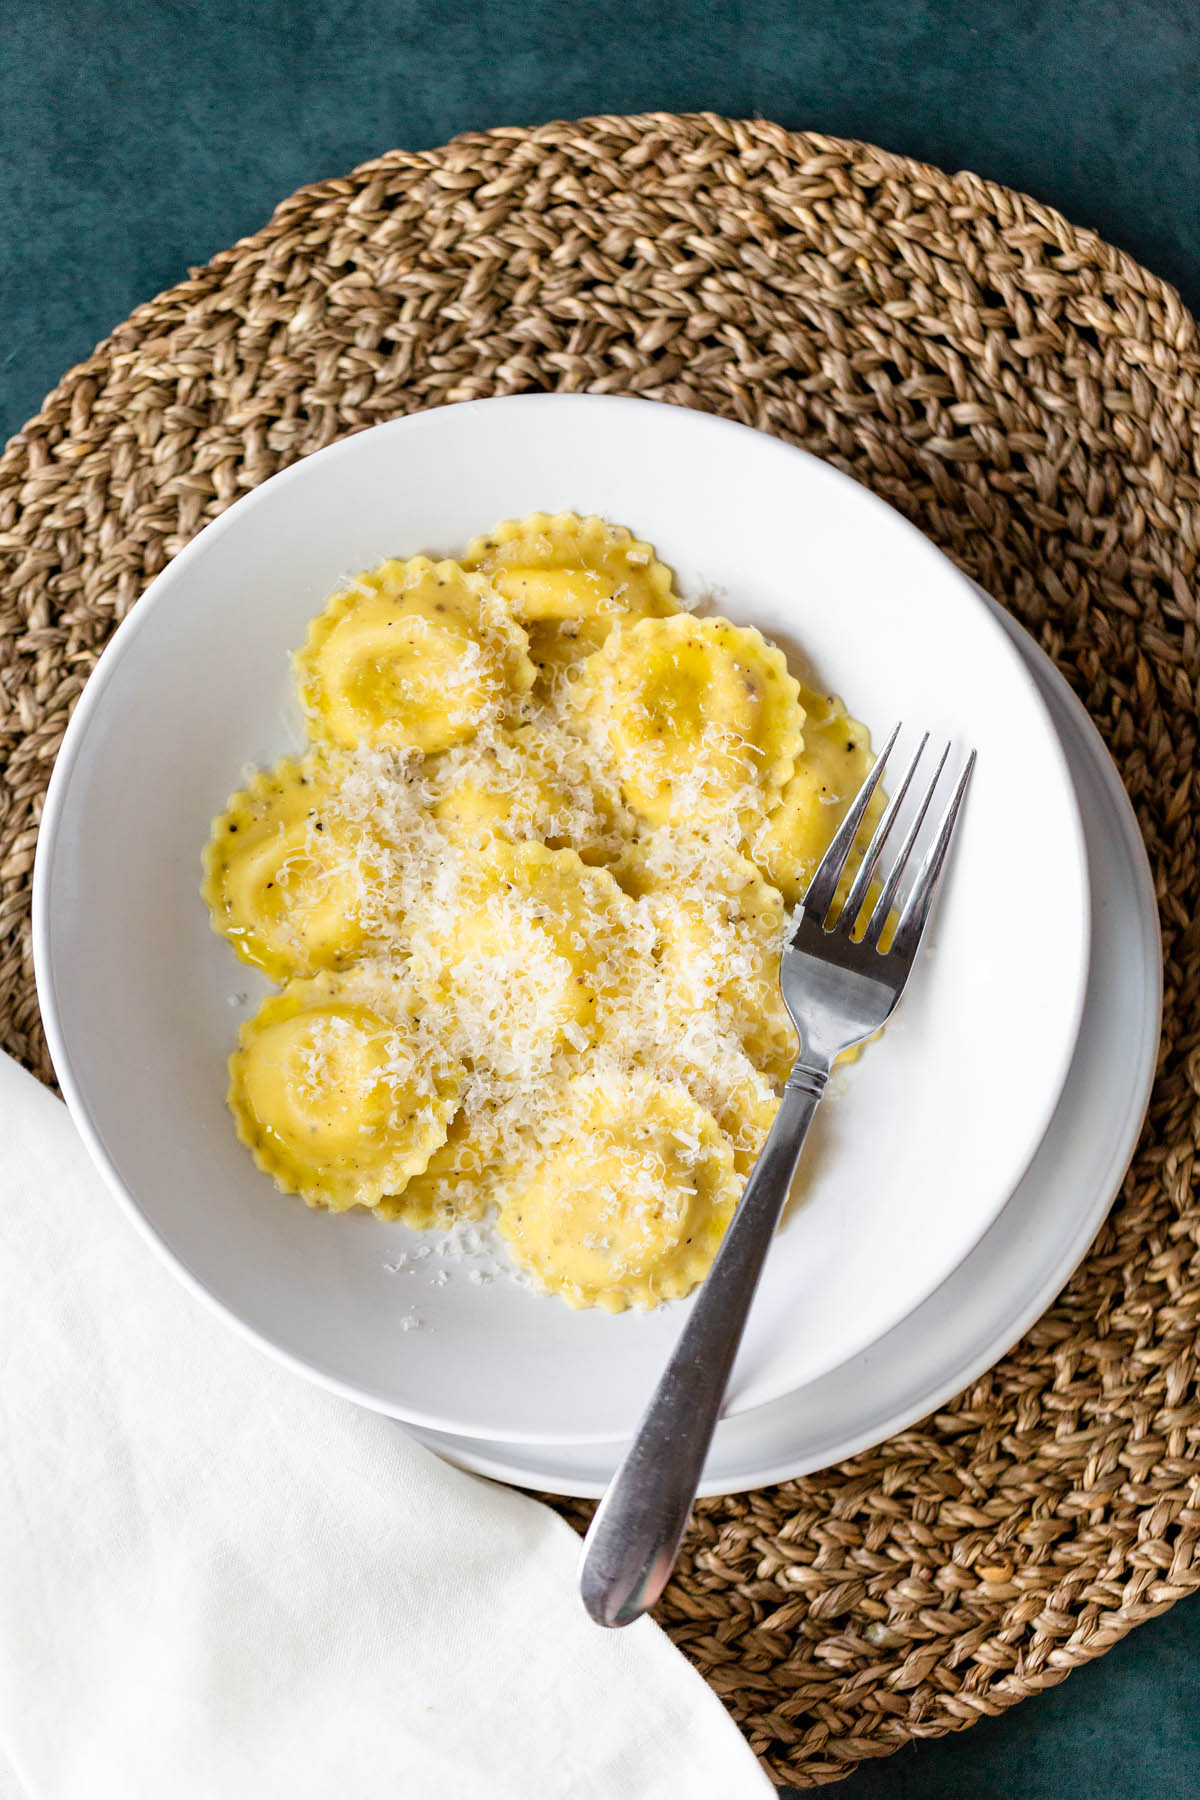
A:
568,578
454,1183
739,1096
629,1207
534,782
701,719
528,944
524,896
721,935
284,878
337,1091
833,764
412,655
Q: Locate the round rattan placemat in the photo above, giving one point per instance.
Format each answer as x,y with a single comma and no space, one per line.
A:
1028,395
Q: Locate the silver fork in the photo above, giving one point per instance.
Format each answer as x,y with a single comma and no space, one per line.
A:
839,987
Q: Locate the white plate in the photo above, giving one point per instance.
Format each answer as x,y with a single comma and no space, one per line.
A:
1039,1239
936,1125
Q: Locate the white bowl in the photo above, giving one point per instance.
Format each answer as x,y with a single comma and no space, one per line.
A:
931,1131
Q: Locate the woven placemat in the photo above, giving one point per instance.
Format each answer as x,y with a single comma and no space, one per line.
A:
1028,395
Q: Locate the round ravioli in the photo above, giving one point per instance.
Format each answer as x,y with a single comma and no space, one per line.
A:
629,1206
285,876
701,718
567,578
412,655
833,764
526,947
457,1181
534,782
338,1092
721,929
740,1098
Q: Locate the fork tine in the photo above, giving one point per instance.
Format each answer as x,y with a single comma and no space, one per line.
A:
915,916
852,906
818,896
883,906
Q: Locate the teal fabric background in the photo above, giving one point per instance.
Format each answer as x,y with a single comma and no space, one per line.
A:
137,137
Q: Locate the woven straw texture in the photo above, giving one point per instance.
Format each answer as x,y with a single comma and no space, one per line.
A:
1026,394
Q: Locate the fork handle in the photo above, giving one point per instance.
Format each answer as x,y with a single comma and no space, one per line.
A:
634,1539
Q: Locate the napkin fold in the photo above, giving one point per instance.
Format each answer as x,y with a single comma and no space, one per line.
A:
217,1581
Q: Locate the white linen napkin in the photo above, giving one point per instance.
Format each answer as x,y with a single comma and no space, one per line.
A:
218,1582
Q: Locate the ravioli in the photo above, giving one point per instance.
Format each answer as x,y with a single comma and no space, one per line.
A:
629,1207
568,578
829,770
456,1181
533,782
529,943
336,1090
700,717
412,655
284,876
740,1098
721,936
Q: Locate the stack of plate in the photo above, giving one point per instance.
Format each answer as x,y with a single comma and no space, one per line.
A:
963,1166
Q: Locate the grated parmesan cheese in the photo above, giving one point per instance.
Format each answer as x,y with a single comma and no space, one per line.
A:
500,1011
551,932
